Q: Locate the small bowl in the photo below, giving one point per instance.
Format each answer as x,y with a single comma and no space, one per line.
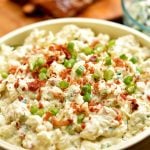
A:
129,20
113,29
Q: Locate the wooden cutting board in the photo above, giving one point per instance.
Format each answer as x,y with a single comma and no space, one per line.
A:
11,16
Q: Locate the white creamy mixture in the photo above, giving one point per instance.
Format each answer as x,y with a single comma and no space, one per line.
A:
73,90
140,11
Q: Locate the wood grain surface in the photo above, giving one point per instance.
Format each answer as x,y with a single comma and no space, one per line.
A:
11,17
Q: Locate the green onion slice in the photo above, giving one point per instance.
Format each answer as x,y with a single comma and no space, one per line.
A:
80,70
134,60
87,50
127,80
87,97
108,74
123,57
63,84
80,118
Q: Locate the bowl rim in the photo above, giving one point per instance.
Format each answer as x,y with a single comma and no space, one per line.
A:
135,139
143,27
70,20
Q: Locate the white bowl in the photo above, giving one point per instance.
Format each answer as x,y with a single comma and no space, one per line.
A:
114,30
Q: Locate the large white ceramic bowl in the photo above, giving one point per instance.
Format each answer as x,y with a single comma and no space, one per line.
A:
114,30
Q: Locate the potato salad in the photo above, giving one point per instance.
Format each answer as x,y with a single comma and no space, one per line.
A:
73,90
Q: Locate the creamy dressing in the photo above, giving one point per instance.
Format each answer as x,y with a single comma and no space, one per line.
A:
73,90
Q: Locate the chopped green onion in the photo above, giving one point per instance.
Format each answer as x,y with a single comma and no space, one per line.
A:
74,55
86,88
40,61
32,65
36,63
43,70
96,76
69,63
87,50
108,74
87,97
134,60
80,70
124,57
70,130
54,111
70,47
63,84
99,48
139,70
40,112
108,61
131,88
34,109
42,76
80,118
4,75
111,43
127,80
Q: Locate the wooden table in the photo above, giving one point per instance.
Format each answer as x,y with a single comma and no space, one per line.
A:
11,17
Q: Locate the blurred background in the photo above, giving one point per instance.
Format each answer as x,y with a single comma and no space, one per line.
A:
17,13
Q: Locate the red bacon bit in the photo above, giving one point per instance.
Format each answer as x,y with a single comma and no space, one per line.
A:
36,84
40,105
39,94
118,118
93,58
134,105
23,89
78,109
58,96
20,98
35,74
92,103
60,123
47,116
18,125
119,62
148,97
94,106
16,85
124,96
20,70
62,48
12,69
117,81
66,52
93,109
96,88
85,81
86,65
83,125
94,43
68,79
91,69
63,74
51,59
53,47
